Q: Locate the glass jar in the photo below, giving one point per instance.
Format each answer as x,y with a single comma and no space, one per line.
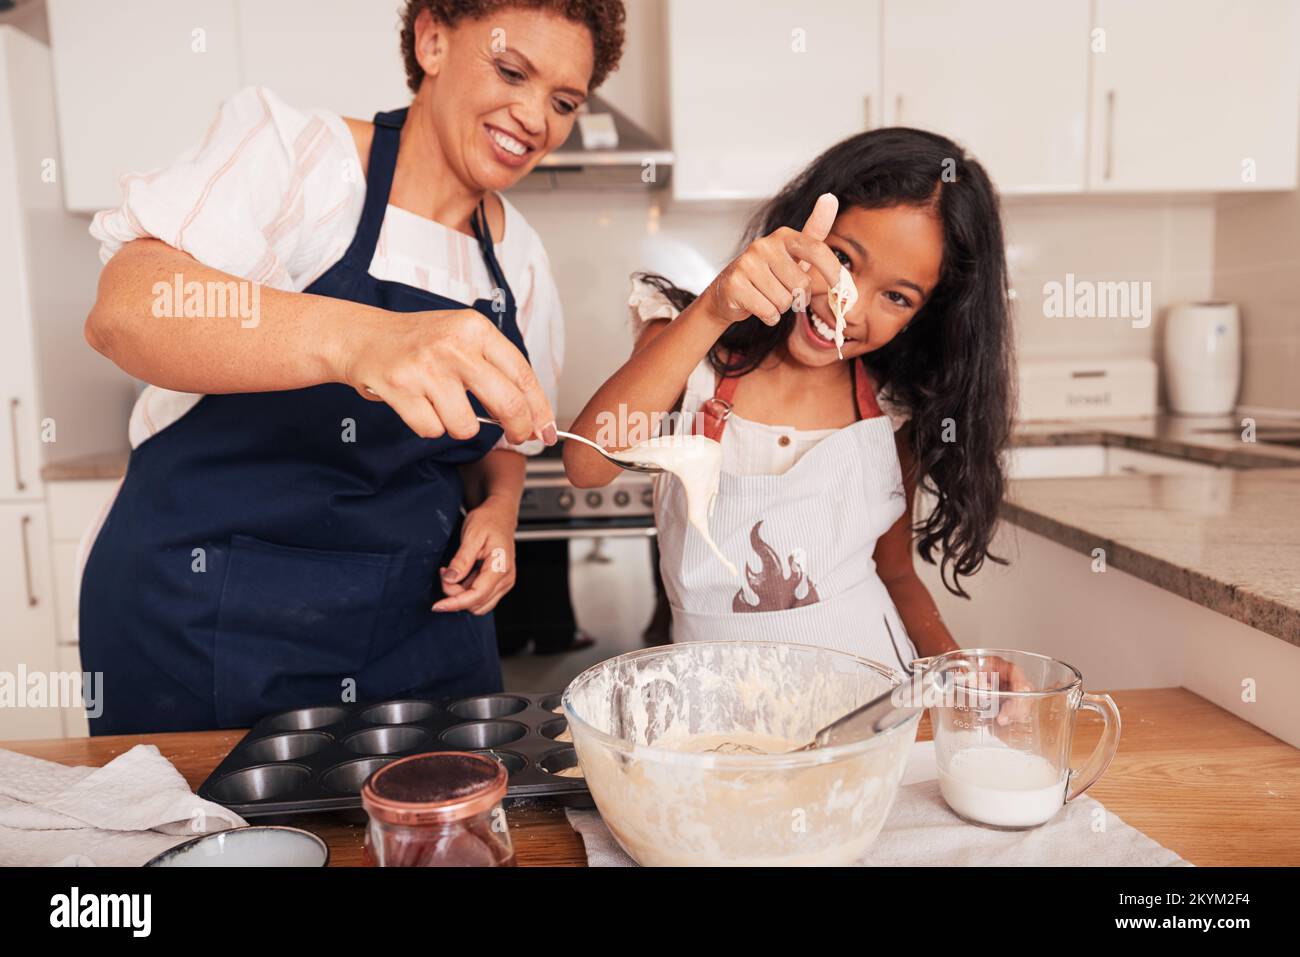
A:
437,810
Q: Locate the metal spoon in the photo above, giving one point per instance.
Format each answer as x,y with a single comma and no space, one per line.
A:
877,716
630,466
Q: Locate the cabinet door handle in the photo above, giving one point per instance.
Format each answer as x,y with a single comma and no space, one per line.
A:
866,112
13,437
32,600
898,109
1110,135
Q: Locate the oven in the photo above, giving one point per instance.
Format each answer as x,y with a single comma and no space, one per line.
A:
609,584
552,509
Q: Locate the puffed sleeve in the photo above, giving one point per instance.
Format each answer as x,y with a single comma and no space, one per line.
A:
541,323
897,412
256,198
646,303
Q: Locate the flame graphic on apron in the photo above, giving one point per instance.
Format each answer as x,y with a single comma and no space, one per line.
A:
776,590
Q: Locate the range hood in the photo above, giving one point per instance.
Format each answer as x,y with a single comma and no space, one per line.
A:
606,150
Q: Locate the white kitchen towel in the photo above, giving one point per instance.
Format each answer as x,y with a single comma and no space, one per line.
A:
922,831
122,814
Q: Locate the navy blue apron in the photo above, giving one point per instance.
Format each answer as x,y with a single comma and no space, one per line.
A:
281,549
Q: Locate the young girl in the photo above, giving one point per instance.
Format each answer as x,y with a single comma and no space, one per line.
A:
822,455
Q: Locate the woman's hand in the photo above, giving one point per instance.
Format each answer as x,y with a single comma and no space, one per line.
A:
423,364
771,274
483,569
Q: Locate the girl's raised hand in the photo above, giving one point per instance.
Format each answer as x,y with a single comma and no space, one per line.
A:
771,275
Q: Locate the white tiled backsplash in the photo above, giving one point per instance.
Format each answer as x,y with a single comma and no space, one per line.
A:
596,239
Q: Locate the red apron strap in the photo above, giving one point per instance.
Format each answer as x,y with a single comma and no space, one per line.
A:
864,390
715,411
712,420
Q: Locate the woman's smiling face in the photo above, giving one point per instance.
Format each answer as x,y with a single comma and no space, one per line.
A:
894,255
503,91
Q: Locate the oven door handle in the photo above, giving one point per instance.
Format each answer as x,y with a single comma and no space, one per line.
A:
557,534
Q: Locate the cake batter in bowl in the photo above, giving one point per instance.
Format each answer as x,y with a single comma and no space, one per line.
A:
643,725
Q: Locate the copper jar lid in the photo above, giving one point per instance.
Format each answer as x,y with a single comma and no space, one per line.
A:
437,788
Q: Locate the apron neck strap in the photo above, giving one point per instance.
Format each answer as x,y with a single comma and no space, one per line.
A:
379,184
384,146
716,410
483,233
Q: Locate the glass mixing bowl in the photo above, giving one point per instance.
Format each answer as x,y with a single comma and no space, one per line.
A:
633,717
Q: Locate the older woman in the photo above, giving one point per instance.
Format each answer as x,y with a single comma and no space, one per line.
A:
289,530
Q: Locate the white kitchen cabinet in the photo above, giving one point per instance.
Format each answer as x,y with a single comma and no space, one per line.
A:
1006,79
1121,461
1195,95
21,176
27,603
67,398
1095,461
342,55
73,717
75,504
20,456
74,507
758,90
138,83
139,87
67,589
1056,461
1118,630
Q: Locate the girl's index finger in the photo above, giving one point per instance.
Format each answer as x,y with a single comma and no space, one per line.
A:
805,249
822,217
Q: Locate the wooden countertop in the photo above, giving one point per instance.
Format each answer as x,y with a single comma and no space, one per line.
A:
1202,782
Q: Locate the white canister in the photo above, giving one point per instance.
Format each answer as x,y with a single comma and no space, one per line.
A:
1203,357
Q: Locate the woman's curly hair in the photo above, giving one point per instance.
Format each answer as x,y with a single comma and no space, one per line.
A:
604,18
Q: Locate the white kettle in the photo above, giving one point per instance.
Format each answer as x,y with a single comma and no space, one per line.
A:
1203,357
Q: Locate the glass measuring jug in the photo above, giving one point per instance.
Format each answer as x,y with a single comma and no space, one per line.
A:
1003,730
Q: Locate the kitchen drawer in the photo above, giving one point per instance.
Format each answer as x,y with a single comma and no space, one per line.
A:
1057,461
74,720
75,505
1132,462
27,637
67,588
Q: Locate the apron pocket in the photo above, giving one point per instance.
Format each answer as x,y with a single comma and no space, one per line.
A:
421,651
293,623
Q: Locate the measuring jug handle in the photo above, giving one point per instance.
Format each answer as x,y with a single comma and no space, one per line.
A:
1102,754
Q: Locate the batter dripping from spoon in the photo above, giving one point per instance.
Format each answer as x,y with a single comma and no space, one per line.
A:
696,460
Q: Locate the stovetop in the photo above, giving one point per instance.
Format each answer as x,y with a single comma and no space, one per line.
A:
548,497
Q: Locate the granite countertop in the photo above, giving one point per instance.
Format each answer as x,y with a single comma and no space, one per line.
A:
105,465
1214,440
1228,540
1185,438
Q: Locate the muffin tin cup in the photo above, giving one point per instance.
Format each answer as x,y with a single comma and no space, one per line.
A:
310,760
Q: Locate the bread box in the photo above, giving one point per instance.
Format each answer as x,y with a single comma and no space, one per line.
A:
1086,388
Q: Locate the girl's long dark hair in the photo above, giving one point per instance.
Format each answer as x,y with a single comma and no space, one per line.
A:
951,366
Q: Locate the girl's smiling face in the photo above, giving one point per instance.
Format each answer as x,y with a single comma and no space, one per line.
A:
894,255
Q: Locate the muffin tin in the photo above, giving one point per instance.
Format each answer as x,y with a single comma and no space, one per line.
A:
316,759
